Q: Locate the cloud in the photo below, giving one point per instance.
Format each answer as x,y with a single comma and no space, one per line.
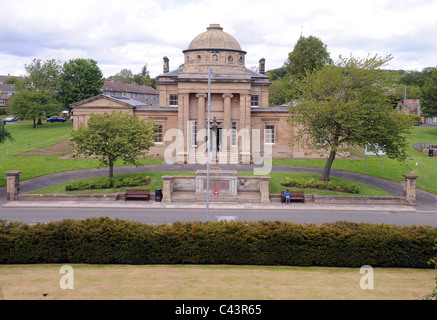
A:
131,33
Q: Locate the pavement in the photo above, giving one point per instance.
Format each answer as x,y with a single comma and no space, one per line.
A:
426,202
217,206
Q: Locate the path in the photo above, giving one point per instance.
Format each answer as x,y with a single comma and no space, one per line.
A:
424,200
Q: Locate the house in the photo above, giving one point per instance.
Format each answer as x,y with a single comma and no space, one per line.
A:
6,92
145,94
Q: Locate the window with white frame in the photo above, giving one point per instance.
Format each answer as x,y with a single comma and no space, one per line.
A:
194,133
173,99
159,138
234,134
269,134
434,119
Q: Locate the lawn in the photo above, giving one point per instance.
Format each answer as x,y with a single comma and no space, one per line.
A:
205,282
274,184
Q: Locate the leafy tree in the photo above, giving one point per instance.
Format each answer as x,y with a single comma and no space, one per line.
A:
308,54
4,134
114,136
36,95
345,105
80,79
34,104
429,95
125,75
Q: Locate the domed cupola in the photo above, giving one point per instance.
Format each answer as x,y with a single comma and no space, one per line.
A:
216,49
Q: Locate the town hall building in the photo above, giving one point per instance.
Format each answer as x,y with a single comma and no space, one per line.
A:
243,128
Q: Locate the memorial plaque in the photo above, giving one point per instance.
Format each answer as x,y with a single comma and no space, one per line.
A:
217,185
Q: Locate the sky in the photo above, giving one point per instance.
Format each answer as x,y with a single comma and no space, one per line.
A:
128,34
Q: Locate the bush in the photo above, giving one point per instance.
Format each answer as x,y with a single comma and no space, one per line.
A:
106,183
321,185
105,241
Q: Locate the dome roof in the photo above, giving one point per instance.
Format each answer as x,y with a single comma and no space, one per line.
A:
214,38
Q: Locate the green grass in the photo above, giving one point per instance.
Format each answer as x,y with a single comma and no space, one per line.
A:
275,187
216,282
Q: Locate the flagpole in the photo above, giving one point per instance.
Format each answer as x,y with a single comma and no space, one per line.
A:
207,145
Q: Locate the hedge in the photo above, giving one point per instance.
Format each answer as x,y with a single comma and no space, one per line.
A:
106,183
106,241
321,185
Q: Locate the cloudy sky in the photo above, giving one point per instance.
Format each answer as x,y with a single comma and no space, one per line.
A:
127,34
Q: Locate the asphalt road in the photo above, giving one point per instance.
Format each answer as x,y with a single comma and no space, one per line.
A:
161,216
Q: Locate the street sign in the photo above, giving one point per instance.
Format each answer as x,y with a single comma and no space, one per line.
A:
216,192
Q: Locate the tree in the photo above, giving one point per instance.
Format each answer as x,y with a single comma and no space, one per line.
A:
34,104
308,54
125,76
429,95
114,136
37,94
4,134
80,79
345,105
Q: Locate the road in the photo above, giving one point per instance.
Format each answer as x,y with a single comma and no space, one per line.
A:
170,215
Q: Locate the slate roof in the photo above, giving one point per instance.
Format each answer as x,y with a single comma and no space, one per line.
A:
131,88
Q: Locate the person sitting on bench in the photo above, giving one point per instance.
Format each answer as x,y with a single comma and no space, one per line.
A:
287,196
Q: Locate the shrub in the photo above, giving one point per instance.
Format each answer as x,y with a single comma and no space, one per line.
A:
321,185
106,183
102,240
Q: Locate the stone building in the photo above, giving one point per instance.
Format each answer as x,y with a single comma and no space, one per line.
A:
246,129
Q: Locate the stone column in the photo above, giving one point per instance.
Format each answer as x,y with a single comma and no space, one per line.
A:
227,111
183,108
410,188
245,128
201,121
12,184
227,126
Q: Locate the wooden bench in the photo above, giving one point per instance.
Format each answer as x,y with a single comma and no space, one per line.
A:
137,194
294,195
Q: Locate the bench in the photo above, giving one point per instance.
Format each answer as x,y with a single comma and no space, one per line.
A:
294,195
137,194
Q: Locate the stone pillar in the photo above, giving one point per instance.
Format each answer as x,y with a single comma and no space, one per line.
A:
201,121
167,188
183,109
265,193
12,184
410,188
245,128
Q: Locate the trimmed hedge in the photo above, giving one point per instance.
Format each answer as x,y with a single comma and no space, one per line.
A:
321,185
106,241
106,183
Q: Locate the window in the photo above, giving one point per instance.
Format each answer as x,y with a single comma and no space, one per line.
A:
234,134
434,119
194,134
321,141
173,99
159,133
254,101
269,134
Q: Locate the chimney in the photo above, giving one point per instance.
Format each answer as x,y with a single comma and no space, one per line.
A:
262,66
166,65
